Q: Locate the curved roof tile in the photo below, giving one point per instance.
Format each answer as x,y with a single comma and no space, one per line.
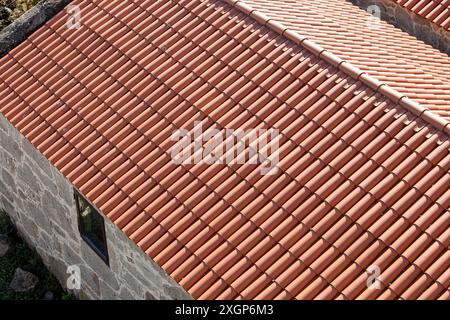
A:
361,180
384,51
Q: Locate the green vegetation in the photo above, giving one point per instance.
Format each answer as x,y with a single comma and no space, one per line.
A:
20,255
10,10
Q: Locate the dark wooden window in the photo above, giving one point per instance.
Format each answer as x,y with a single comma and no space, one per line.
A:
92,227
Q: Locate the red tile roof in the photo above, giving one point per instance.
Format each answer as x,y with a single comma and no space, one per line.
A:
436,11
363,175
385,52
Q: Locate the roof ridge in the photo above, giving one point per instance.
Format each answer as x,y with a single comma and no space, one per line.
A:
345,66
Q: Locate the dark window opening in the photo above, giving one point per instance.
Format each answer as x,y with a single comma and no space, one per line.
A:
92,227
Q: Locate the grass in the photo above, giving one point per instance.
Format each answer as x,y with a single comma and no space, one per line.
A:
20,255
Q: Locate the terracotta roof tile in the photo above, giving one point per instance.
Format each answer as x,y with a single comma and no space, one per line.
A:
392,56
436,11
362,179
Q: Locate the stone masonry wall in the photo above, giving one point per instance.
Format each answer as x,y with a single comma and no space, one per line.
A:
40,202
410,22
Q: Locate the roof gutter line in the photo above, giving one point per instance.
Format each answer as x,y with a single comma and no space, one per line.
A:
345,66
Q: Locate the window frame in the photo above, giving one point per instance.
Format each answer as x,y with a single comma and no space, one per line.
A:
102,255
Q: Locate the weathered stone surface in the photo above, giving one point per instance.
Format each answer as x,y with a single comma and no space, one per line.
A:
19,30
65,191
7,206
125,294
99,266
62,223
23,281
150,296
70,256
107,293
37,158
4,246
90,281
402,18
45,242
29,228
29,179
8,162
11,146
9,180
176,293
58,267
41,219
4,125
132,283
6,192
147,278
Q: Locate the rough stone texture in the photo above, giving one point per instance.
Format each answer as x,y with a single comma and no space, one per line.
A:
4,247
40,202
27,23
23,281
410,22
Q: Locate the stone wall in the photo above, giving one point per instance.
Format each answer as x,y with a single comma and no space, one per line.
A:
40,202
410,22
27,23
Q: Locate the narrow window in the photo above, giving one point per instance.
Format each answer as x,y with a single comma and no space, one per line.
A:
92,227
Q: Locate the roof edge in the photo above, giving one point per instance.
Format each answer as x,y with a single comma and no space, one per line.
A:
15,33
411,22
345,66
